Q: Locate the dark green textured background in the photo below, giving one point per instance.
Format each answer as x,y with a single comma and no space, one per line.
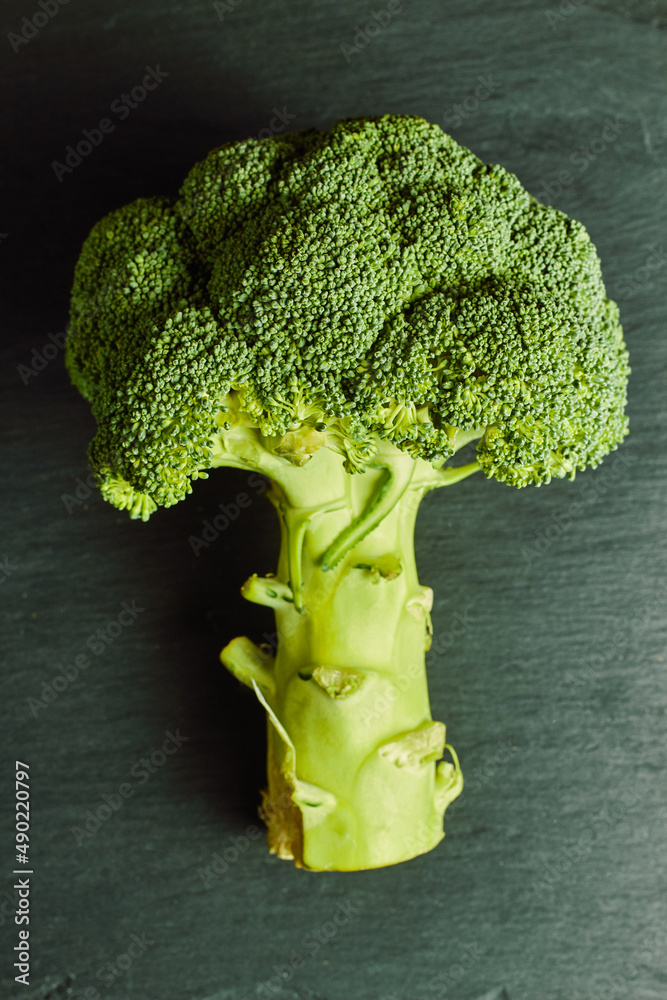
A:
550,658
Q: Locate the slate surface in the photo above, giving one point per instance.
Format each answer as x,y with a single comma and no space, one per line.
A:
550,884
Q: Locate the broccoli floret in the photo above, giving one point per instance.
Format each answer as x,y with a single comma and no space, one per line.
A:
343,311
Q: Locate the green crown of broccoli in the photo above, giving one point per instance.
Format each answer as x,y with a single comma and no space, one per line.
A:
377,279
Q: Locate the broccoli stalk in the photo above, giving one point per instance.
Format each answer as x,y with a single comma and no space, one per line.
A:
348,681
342,311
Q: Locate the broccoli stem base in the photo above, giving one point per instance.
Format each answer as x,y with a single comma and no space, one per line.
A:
353,778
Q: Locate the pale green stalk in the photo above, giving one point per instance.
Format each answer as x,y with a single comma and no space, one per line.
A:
353,778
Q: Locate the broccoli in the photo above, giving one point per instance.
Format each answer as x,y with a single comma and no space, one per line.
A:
343,311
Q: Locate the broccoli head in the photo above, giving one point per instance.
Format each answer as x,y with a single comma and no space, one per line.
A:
343,311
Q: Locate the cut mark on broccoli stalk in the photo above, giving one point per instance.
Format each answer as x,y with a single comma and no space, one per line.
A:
393,483
268,591
338,682
420,607
448,780
245,660
385,568
298,446
412,750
